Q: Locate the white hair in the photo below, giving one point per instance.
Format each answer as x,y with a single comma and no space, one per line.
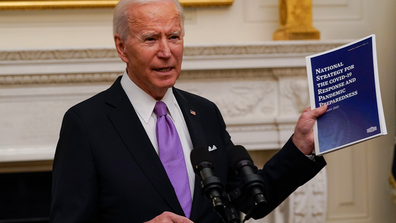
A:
120,16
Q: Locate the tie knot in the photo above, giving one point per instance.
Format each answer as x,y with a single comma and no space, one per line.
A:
160,108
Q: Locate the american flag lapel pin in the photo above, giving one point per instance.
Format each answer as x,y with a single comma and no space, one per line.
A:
193,112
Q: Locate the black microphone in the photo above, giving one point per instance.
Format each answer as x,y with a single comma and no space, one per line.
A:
211,186
253,184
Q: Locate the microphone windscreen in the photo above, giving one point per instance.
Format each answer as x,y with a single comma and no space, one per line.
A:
200,154
237,154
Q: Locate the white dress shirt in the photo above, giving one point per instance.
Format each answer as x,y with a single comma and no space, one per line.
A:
144,104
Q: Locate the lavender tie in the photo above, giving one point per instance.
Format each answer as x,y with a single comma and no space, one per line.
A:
171,155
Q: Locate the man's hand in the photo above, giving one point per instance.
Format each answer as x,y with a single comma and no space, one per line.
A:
169,217
303,136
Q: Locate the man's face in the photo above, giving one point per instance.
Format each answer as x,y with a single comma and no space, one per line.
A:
153,50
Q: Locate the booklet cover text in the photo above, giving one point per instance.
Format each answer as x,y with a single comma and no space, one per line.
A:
346,79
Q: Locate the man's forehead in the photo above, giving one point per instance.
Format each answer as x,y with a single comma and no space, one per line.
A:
141,18
170,26
153,11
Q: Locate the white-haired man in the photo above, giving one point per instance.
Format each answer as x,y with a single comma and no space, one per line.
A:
107,166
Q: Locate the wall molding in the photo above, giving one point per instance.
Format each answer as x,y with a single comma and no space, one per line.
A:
50,79
102,65
265,48
108,77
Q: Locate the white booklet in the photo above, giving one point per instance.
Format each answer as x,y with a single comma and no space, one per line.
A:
346,79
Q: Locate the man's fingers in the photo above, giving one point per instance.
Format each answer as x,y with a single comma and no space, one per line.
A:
169,217
180,219
303,133
307,109
317,112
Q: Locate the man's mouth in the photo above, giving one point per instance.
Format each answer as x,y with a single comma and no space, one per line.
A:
164,69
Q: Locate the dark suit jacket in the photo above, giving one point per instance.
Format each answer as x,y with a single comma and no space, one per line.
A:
106,169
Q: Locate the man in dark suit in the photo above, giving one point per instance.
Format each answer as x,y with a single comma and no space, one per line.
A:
106,166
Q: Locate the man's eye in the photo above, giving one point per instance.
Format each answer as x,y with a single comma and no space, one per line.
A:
175,37
150,39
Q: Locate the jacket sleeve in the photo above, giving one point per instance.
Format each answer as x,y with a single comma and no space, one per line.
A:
74,183
284,173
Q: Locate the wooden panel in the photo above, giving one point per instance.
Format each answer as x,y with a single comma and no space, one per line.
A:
348,184
28,166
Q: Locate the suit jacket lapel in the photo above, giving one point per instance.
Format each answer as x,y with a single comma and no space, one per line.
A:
193,118
131,131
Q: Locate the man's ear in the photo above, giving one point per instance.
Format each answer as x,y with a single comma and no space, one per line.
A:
121,48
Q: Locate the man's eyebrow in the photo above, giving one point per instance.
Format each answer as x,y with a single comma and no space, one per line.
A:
149,34
152,34
178,32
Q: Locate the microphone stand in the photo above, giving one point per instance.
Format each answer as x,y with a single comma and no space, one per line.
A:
252,185
227,213
212,189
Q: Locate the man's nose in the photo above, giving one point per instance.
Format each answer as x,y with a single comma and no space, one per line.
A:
164,49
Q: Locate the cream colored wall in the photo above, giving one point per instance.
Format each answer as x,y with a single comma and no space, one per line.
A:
357,176
245,21
56,29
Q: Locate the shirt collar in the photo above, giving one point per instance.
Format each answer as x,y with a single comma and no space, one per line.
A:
142,102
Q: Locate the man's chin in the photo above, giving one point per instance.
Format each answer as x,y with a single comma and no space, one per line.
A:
167,82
